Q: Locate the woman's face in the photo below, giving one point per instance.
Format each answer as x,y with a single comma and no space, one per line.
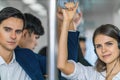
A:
106,48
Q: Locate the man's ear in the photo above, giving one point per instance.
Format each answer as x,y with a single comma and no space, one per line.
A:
59,13
78,19
25,33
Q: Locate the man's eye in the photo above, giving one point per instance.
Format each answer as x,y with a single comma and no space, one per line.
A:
109,44
36,37
19,31
7,29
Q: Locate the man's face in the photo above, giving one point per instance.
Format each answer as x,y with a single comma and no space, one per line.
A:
30,41
83,47
76,19
10,33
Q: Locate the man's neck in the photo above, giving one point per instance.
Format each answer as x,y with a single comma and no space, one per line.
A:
6,55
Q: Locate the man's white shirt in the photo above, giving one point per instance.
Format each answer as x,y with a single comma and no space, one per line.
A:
12,71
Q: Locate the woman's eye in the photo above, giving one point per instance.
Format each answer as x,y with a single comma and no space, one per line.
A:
98,46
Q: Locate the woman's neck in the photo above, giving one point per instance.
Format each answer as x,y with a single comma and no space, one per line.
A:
112,69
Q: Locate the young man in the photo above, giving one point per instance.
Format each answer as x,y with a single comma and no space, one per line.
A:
31,32
15,64
82,44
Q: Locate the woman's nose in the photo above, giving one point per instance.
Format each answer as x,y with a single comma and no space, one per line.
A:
103,49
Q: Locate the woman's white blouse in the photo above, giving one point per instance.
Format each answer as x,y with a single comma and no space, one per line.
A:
82,72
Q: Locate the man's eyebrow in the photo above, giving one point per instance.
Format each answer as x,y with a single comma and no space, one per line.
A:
7,27
11,28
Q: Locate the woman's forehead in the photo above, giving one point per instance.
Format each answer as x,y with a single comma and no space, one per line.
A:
103,38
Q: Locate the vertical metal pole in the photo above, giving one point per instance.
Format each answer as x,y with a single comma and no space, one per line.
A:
52,40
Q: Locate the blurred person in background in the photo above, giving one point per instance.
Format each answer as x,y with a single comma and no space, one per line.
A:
43,53
82,44
31,33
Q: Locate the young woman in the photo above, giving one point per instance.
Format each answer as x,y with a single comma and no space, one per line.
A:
106,42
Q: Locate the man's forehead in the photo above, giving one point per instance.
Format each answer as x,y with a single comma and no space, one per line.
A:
61,3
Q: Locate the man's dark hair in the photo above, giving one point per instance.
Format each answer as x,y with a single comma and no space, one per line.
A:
43,51
33,24
82,39
8,12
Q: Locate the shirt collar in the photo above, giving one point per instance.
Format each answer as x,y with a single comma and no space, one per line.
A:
13,59
117,76
2,61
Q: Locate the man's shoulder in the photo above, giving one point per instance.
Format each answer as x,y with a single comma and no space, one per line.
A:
24,52
27,60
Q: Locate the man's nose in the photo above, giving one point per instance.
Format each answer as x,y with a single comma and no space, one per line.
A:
13,35
36,43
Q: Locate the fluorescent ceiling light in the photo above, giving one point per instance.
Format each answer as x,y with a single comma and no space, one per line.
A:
43,13
29,1
36,7
39,9
119,11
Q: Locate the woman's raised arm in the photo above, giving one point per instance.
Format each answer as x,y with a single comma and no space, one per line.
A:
68,14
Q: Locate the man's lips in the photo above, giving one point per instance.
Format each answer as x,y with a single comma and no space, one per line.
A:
11,42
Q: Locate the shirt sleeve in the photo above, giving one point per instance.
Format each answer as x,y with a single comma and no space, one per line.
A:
81,72
117,77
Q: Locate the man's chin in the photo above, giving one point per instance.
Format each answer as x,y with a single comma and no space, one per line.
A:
11,48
